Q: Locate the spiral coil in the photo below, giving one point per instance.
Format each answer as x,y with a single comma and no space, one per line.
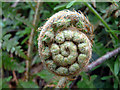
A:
65,43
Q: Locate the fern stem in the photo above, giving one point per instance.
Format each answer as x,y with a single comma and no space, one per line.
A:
33,8
96,13
30,45
2,72
61,82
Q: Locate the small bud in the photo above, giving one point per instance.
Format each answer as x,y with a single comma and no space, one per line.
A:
51,65
62,71
73,68
68,34
60,38
54,49
49,35
46,52
58,59
83,48
82,58
77,37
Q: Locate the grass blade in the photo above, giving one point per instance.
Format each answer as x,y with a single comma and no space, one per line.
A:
96,13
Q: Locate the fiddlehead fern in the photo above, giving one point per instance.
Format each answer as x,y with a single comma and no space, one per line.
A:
65,43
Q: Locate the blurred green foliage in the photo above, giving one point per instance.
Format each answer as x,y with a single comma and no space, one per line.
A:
16,28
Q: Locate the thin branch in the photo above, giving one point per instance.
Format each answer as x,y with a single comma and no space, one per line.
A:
33,8
96,63
30,45
14,77
102,59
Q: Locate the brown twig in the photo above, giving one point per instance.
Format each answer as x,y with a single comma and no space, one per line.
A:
97,62
102,59
13,72
14,77
30,45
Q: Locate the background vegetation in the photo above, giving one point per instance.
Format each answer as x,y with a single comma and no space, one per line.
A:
17,25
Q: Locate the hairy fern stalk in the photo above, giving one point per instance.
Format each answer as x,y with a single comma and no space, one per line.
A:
65,43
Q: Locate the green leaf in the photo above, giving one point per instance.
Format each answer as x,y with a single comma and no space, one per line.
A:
60,6
6,37
44,74
70,4
12,13
11,45
116,43
98,83
111,66
29,84
99,48
25,21
101,19
86,82
84,76
114,31
101,6
116,66
0,83
8,79
10,64
5,82
0,58
106,77
24,40
93,77
115,83
95,67
19,52
24,32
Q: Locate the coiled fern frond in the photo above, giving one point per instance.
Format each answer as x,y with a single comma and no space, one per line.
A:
65,43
